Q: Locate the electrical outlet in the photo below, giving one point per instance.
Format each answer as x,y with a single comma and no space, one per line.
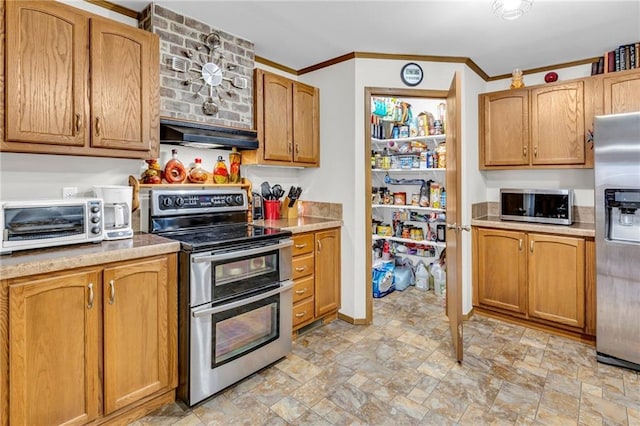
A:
69,191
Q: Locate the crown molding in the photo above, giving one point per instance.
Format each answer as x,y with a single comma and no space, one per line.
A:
548,68
264,61
115,8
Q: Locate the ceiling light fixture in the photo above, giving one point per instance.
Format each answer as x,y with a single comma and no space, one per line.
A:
511,9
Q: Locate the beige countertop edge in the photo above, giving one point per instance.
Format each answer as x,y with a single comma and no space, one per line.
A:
32,262
578,229
299,225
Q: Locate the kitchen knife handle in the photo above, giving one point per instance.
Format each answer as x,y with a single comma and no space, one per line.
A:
78,123
98,126
112,292
90,304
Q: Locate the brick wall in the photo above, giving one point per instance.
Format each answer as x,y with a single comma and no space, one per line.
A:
179,34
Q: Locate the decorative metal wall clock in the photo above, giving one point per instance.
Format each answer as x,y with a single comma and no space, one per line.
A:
207,68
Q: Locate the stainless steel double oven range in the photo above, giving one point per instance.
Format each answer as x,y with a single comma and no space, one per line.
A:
235,287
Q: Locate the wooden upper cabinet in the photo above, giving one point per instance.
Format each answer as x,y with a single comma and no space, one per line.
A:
287,116
557,124
327,271
501,269
556,279
504,128
305,124
622,93
137,341
79,84
277,137
120,89
47,73
54,328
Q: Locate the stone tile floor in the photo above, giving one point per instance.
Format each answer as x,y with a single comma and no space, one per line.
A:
401,371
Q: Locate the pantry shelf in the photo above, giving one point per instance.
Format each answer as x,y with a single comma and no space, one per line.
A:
409,170
409,241
433,138
407,207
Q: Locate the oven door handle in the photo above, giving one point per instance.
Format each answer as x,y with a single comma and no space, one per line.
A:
250,252
286,285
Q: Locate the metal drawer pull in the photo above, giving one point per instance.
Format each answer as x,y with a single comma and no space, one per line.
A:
112,292
301,314
287,285
98,126
520,244
531,246
535,151
319,245
301,268
297,148
250,252
301,291
524,151
299,246
90,304
289,148
78,123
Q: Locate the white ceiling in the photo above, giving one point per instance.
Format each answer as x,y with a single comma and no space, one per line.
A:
302,33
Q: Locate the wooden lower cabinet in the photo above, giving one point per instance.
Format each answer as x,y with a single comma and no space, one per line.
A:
316,275
536,278
89,344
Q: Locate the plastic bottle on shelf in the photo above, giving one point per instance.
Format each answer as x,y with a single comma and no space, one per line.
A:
443,199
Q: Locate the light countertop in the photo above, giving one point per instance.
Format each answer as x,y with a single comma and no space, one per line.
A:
578,229
31,262
301,224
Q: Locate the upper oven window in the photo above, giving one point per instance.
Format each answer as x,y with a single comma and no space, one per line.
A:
26,223
244,274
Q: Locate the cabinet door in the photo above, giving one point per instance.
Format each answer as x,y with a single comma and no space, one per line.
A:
501,269
557,124
305,124
504,131
278,138
556,279
122,90
622,93
137,333
46,74
327,272
54,329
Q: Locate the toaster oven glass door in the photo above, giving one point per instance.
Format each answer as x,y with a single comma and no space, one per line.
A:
44,222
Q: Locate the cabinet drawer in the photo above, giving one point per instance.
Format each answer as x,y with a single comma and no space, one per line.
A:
303,289
302,244
303,312
302,266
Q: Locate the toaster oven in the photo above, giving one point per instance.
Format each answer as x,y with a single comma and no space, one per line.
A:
47,223
552,206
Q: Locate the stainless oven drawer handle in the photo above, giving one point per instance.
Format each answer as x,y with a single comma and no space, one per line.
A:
286,285
243,253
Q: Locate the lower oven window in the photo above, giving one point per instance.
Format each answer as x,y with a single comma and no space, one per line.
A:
239,331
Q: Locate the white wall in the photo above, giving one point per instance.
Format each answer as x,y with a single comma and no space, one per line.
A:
580,180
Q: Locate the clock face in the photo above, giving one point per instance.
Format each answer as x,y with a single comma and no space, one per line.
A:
211,74
411,74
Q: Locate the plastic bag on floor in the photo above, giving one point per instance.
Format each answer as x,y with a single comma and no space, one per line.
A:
383,283
404,273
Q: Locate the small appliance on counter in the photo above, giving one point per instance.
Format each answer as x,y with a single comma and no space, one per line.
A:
117,210
47,223
257,206
551,206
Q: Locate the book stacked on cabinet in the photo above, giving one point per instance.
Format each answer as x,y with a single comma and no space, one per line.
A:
624,57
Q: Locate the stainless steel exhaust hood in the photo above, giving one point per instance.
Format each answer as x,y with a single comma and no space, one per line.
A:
200,135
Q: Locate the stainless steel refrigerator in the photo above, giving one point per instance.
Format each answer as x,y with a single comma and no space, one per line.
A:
617,216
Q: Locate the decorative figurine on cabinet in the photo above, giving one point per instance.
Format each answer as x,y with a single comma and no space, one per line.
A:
516,79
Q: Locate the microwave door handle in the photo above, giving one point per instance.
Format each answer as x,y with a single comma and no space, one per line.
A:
250,252
286,285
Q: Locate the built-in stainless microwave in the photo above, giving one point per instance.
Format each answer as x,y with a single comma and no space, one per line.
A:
554,206
47,223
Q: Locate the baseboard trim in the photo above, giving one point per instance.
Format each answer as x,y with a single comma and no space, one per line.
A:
351,320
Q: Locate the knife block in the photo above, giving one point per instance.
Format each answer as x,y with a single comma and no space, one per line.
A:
289,212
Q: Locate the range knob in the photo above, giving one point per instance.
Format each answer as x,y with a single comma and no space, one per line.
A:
179,201
167,202
95,208
96,230
238,200
229,200
95,219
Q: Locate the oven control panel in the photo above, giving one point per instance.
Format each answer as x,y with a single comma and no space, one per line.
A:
164,202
